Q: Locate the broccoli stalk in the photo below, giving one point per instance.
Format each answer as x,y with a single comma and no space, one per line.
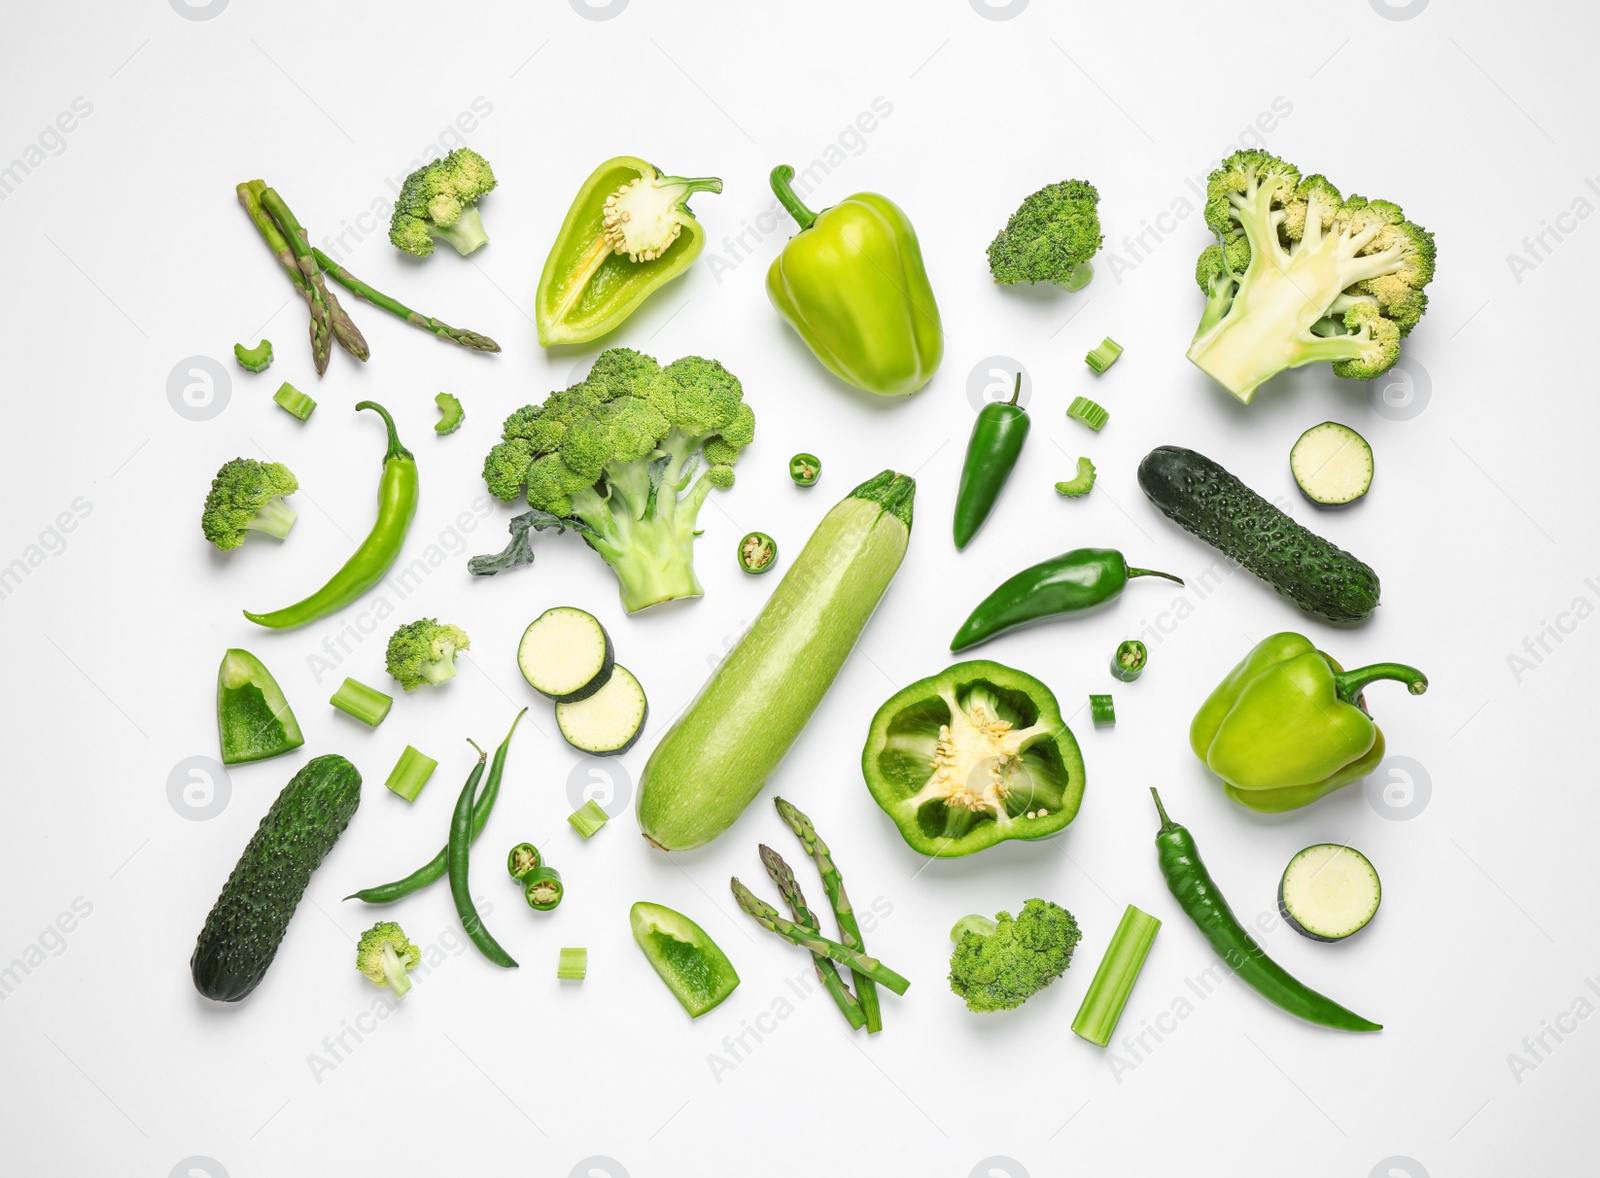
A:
1301,275
440,199
247,496
384,954
999,964
626,460
424,652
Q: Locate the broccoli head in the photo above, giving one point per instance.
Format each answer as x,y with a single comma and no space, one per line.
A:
625,458
384,954
1050,238
1300,274
247,496
1001,963
440,199
424,651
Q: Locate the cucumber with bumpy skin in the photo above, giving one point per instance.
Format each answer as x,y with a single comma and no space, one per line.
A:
1201,497
247,923
1332,464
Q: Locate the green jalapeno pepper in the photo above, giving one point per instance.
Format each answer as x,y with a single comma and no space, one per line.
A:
397,504
992,452
805,469
1127,663
1075,580
1192,886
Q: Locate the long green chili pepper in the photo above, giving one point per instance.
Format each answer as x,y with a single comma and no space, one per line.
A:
1076,580
435,868
397,503
992,452
1192,886
460,890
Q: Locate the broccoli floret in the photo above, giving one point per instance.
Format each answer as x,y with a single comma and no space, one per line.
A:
425,652
626,458
440,199
1050,238
1001,963
384,954
451,414
256,359
247,496
1300,274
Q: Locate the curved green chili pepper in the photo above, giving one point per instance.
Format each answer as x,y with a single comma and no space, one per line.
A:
992,452
1074,580
434,868
397,503
460,890
1192,886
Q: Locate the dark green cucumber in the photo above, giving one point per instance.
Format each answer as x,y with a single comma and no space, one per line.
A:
251,915
1200,496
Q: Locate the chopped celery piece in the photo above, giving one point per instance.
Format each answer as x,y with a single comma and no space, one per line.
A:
451,414
292,399
1080,483
1104,356
367,704
588,818
573,965
1113,980
411,773
1100,707
1092,415
256,359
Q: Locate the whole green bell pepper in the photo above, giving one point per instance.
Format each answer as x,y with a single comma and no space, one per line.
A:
1289,724
852,283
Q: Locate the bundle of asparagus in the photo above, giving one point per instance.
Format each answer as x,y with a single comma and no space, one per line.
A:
306,267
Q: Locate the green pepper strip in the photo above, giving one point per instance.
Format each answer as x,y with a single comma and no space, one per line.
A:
992,452
1192,886
460,889
397,504
435,868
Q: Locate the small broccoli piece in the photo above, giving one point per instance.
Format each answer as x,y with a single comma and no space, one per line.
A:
1050,238
424,651
1001,963
256,359
451,414
384,954
1300,275
440,199
247,496
625,458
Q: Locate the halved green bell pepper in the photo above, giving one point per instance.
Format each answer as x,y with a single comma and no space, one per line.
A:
629,231
1289,724
852,283
971,757
253,717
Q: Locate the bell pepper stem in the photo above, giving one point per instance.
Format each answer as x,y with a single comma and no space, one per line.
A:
783,188
1133,572
1350,684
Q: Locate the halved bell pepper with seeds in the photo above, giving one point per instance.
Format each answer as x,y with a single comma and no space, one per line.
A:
971,757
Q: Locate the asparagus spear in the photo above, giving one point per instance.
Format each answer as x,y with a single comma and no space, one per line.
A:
344,328
827,972
316,289
456,335
769,918
833,884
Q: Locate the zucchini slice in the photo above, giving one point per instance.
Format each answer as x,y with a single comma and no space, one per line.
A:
1328,892
1332,463
566,654
609,721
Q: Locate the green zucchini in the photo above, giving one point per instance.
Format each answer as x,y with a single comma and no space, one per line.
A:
715,759
1200,496
1332,464
247,923
1329,892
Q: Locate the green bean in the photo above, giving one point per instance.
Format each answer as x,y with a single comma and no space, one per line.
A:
460,890
434,868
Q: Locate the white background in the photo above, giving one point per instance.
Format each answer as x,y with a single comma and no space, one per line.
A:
126,254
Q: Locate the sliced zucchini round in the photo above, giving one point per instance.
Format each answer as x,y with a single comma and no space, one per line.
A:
566,654
1332,463
609,721
1328,892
